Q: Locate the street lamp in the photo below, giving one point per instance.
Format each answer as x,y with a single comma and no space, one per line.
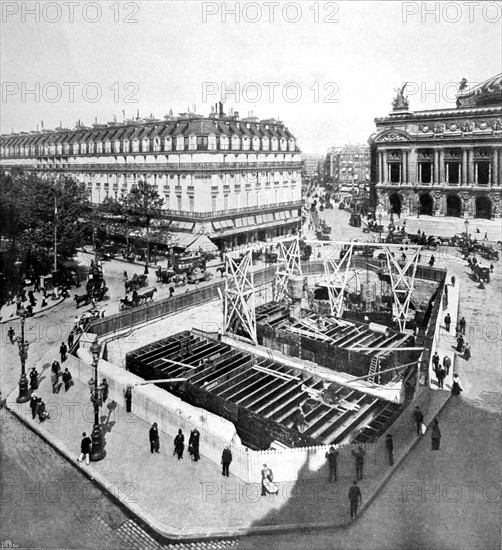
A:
98,452
466,223
23,353
380,227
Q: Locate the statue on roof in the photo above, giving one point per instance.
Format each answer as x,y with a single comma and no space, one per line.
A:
400,102
462,85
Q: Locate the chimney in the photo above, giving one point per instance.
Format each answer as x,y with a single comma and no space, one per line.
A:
42,124
221,113
123,115
137,114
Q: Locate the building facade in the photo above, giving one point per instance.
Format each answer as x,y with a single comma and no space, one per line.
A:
443,162
236,180
349,168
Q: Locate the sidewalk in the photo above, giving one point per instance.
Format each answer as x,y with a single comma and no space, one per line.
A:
190,500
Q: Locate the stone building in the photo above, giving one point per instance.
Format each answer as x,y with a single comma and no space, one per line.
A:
236,180
349,168
444,162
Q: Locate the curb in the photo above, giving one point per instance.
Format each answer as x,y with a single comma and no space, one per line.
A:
35,313
207,535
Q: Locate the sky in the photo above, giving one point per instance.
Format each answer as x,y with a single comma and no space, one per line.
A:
326,69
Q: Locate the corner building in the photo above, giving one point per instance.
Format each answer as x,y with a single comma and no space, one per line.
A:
236,180
445,162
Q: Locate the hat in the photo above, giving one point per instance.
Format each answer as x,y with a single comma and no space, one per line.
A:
227,446
331,449
155,423
389,435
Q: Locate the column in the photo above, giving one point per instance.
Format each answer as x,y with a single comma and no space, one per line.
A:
495,171
470,167
475,173
447,172
385,168
379,166
436,166
441,167
463,179
412,166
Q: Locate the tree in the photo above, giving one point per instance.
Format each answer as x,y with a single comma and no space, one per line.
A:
28,217
144,203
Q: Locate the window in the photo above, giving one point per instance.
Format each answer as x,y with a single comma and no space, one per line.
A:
179,200
213,203
225,202
192,143
212,142
180,143
191,202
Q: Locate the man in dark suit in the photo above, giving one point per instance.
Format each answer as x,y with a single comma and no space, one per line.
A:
355,497
332,459
154,438
226,459
419,419
85,448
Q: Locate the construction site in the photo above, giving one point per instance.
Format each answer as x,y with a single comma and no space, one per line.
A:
333,359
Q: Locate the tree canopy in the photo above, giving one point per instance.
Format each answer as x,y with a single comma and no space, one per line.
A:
27,217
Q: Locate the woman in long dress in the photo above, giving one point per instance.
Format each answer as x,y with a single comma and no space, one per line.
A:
456,388
436,435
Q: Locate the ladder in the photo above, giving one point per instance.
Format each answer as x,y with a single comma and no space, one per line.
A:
368,300
374,369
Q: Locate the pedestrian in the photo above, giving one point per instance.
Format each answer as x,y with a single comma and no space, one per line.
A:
71,339
453,280
461,325
460,344
44,303
441,375
485,238
389,443
171,291
447,322
355,498
419,419
55,382
41,410
66,379
106,389
85,448
332,460
432,260
33,405
31,298
125,276
154,439
467,352
456,388
435,362
63,350
447,364
267,478
226,459
435,435
359,459
34,379
492,267
128,398
11,333
193,444
179,444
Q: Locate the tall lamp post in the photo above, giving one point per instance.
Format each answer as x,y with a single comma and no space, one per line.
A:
466,223
23,353
98,452
380,227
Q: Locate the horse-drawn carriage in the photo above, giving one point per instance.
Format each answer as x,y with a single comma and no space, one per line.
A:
197,275
137,282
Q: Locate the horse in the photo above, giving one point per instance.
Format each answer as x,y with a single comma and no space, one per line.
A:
147,295
82,298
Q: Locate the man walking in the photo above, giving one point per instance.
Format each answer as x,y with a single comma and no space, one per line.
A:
226,459
154,439
63,350
332,459
441,375
435,435
435,362
446,364
419,419
34,379
461,325
179,444
106,389
11,335
193,444
66,379
447,322
85,448
389,443
33,405
359,458
355,498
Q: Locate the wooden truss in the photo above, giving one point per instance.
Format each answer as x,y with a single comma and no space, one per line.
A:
288,263
336,280
239,306
402,280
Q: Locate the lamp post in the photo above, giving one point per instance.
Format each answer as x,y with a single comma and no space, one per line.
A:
466,223
23,354
98,451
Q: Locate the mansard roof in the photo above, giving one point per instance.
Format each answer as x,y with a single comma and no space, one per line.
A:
136,130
